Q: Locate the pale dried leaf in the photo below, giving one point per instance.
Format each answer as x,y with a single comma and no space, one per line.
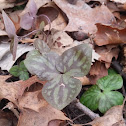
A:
119,1
32,100
2,32
41,118
14,90
82,17
111,117
6,61
5,4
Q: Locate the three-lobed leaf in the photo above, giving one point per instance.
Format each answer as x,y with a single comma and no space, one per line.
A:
101,96
60,71
20,71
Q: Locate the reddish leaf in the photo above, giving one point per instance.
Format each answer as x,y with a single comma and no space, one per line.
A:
9,26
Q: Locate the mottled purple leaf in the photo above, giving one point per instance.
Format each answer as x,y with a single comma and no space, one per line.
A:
32,8
75,61
42,65
26,21
41,46
59,92
61,87
9,26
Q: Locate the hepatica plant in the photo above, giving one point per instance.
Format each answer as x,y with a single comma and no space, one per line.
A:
60,71
103,95
20,71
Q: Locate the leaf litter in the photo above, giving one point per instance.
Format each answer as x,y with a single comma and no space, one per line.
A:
104,24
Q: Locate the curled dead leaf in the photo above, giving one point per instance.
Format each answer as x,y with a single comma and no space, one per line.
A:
109,35
112,117
87,17
41,118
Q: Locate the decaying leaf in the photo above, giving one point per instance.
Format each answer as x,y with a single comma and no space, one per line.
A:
111,117
6,61
106,54
87,17
14,90
41,118
5,4
59,23
97,71
32,100
119,1
109,35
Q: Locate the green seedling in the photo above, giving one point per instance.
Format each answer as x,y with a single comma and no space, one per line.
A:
59,71
20,71
103,95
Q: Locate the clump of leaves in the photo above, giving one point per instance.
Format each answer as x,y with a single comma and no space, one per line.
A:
103,96
11,31
28,20
60,71
20,71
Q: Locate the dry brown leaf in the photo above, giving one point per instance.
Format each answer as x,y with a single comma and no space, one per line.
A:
107,53
2,33
39,4
55,122
82,17
7,119
5,4
32,100
59,23
111,118
41,118
109,35
14,90
97,71
59,40
119,1
84,80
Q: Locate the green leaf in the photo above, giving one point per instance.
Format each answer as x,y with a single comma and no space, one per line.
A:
111,72
91,97
110,99
60,91
110,82
42,65
76,61
22,66
14,71
23,75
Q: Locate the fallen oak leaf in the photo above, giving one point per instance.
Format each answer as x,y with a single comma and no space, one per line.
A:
14,90
112,116
42,118
32,100
107,34
87,17
106,54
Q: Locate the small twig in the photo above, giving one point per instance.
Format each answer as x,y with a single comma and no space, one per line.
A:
86,110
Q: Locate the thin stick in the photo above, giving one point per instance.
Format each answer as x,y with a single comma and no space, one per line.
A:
86,110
